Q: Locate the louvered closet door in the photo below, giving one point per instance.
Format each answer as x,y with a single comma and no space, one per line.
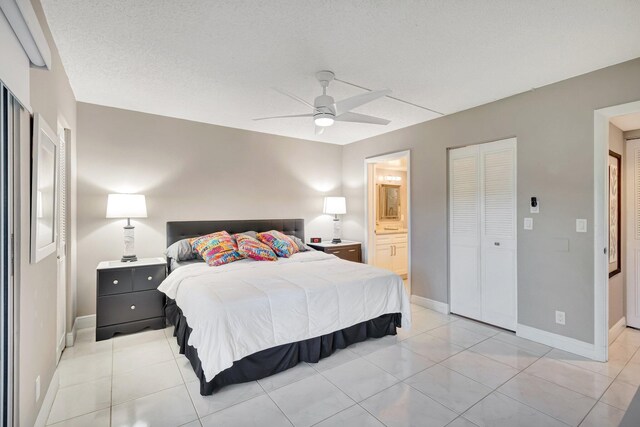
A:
632,174
464,232
498,232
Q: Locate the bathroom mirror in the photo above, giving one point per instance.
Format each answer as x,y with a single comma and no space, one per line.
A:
388,202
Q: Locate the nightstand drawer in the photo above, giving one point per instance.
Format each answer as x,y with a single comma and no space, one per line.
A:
130,307
348,253
145,278
114,282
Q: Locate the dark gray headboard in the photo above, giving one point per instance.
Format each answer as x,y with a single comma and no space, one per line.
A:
177,230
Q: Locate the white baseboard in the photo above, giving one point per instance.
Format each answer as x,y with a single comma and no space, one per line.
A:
71,336
440,307
47,403
560,342
617,329
85,322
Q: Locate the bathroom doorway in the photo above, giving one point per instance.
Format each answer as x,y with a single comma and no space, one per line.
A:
388,225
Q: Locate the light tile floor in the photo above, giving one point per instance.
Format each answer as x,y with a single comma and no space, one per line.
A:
446,371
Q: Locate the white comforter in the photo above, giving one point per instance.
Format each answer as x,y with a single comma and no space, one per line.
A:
247,306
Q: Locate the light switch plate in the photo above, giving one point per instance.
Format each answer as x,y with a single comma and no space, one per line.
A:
536,209
581,225
528,223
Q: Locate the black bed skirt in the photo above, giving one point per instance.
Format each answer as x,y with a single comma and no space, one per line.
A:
277,359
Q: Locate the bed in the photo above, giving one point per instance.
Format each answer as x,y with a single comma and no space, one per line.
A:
250,319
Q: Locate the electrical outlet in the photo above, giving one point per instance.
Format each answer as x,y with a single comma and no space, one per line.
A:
560,317
38,388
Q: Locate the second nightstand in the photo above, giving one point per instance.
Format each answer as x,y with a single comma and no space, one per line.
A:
347,250
127,296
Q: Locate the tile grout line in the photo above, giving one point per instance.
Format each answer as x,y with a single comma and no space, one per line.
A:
534,408
275,403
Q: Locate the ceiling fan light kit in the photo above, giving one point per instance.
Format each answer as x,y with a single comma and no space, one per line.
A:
323,119
325,111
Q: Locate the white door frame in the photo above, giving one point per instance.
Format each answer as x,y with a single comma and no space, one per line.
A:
368,226
601,119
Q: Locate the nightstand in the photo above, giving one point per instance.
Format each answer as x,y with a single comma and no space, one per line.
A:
127,296
347,250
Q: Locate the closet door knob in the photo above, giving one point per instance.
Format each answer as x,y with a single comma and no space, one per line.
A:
133,307
150,278
115,282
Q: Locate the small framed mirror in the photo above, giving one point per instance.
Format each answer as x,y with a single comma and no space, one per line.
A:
44,190
388,202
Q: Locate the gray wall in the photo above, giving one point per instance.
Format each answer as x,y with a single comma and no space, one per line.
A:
189,171
617,282
554,126
51,96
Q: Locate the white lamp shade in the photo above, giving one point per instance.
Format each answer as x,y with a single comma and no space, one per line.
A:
335,205
126,206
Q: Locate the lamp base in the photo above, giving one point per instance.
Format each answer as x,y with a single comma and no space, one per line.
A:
128,258
337,230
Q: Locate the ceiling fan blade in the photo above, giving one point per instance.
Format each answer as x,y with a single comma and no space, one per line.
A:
358,100
284,117
292,96
319,130
361,118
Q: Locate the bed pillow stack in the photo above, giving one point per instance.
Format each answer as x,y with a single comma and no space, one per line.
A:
281,244
252,248
216,248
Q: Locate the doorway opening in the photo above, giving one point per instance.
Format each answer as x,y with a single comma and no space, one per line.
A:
615,216
388,213
623,249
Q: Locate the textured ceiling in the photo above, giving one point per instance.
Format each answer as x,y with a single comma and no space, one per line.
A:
215,61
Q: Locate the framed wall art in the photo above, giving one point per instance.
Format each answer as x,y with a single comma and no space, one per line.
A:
615,232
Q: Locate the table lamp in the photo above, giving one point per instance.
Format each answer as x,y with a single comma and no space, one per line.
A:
335,206
127,206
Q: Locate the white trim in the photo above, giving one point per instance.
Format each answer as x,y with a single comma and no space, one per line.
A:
47,403
440,307
71,336
84,322
616,330
25,25
601,119
561,342
378,159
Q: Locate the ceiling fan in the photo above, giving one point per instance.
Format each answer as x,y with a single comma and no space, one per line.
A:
325,111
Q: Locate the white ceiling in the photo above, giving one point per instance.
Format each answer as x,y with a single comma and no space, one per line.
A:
627,122
215,61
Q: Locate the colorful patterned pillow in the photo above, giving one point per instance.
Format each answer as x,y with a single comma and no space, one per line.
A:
216,248
282,245
252,248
